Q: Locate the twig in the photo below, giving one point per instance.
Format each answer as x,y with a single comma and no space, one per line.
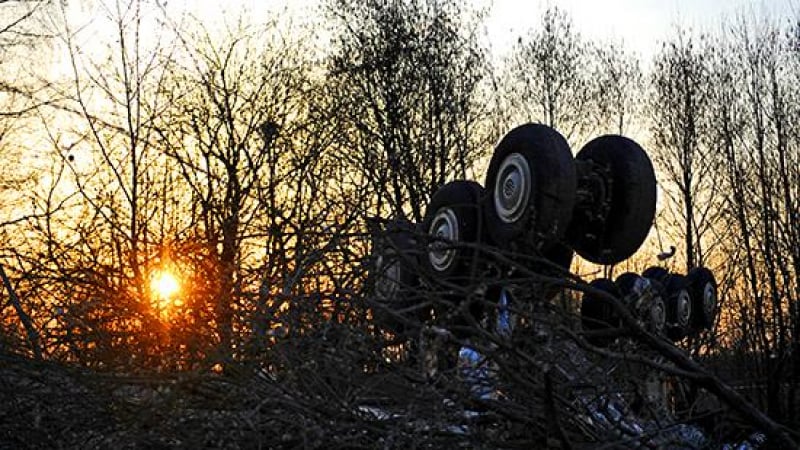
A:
554,417
33,335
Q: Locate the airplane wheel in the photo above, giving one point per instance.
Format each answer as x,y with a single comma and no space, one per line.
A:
656,273
531,188
561,255
703,292
597,313
679,307
396,281
453,222
617,200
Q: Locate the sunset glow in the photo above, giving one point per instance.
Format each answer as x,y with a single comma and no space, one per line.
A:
164,285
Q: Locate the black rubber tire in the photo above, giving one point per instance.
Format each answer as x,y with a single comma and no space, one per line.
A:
454,216
539,215
395,275
597,313
626,282
679,307
632,201
561,255
658,287
658,276
703,291
656,273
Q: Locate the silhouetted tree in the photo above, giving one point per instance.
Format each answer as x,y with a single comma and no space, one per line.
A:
549,77
617,89
678,111
409,74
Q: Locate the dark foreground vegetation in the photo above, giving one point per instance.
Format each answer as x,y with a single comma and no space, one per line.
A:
337,389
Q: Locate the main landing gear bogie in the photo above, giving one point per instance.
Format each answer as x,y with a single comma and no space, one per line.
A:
672,305
600,203
442,286
540,206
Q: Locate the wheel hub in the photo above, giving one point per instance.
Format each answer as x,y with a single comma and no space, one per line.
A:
387,284
444,228
658,315
709,301
512,188
684,308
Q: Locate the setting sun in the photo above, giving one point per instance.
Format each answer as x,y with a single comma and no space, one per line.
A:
164,285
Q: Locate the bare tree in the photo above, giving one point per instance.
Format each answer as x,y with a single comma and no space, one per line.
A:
766,139
411,73
618,89
548,76
752,99
678,120
253,140
89,235
19,34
